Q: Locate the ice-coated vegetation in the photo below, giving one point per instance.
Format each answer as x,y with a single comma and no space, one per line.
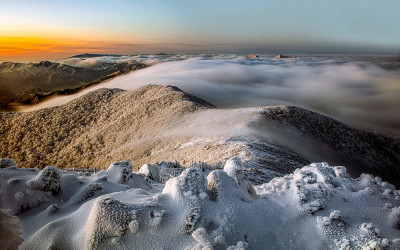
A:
203,207
155,123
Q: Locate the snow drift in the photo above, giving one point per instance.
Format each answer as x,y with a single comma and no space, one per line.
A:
315,207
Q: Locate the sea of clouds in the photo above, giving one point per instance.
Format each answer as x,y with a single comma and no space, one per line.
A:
360,91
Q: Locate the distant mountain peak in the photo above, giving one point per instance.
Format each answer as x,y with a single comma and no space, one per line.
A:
45,63
88,55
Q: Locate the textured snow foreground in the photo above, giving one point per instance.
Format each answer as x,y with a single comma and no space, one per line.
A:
316,207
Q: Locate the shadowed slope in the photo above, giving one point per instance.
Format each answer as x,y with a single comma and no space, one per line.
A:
30,82
321,138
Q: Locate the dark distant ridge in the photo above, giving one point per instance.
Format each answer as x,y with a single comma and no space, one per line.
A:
88,55
28,83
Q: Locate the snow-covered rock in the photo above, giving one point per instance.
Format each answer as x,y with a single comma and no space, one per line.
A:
47,180
234,168
315,207
120,172
151,172
109,218
252,56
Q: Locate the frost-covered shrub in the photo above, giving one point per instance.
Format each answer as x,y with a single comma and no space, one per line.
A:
109,218
221,186
187,186
151,172
191,220
234,168
47,180
188,190
119,172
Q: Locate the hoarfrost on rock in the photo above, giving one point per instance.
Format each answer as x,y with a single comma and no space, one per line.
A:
203,209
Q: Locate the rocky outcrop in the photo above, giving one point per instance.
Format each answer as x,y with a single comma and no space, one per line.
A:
282,56
252,56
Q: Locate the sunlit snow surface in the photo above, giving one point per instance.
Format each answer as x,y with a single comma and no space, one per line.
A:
359,90
316,207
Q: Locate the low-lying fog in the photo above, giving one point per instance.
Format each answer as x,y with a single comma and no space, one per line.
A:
356,92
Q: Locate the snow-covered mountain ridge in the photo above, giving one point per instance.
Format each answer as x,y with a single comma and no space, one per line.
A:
154,123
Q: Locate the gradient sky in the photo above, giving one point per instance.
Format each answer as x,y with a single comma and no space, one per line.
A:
38,29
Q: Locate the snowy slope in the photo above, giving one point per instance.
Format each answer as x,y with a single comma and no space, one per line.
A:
156,123
315,207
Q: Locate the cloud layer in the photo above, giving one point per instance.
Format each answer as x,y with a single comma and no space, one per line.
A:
356,92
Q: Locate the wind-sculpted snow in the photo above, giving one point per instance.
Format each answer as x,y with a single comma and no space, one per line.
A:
315,207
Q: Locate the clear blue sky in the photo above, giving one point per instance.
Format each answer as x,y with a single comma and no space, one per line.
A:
327,24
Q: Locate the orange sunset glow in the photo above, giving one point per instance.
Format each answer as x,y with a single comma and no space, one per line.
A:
37,48
38,30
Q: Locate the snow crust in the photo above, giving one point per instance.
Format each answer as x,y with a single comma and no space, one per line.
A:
315,207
